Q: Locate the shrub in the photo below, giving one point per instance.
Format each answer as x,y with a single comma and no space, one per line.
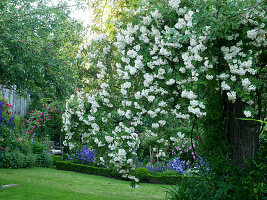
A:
83,156
165,179
263,142
14,159
24,144
67,165
2,152
56,158
38,147
17,123
141,173
168,173
189,189
45,123
12,137
30,160
237,183
109,172
44,159
176,165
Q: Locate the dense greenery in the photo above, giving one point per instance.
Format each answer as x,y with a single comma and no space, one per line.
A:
17,148
142,173
37,48
46,124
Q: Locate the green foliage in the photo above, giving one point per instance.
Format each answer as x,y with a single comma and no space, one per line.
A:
18,121
13,159
170,178
141,173
56,158
17,159
30,160
38,147
165,179
263,143
44,159
24,144
235,183
45,124
183,130
64,165
11,135
168,173
156,179
188,189
37,48
253,178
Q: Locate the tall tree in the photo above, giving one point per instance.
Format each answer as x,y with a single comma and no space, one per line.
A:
37,47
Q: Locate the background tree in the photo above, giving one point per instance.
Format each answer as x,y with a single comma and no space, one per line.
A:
37,48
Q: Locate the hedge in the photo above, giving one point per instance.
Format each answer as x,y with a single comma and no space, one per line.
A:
56,158
66,165
162,179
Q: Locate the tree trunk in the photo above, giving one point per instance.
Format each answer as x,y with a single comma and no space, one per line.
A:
243,135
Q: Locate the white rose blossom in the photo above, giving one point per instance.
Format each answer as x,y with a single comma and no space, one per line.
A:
147,65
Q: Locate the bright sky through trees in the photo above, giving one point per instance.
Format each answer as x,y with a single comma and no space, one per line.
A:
84,15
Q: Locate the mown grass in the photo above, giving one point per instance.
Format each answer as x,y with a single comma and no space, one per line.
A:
52,184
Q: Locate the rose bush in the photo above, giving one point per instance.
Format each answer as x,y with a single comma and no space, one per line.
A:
45,124
185,60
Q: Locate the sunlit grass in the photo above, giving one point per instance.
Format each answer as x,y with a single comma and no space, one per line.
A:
52,184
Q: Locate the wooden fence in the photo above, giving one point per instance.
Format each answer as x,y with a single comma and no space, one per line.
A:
18,104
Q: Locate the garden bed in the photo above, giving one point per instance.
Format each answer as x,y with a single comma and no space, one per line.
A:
108,172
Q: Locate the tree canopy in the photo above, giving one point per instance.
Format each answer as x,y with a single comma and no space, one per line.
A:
37,47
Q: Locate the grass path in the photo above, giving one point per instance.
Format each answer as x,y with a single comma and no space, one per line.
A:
52,184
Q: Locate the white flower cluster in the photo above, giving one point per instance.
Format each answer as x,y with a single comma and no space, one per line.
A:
247,85
189,95
157,78
231,96
174,4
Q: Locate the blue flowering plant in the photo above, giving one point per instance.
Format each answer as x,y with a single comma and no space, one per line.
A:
175,165
83,156
200,167
11,135
7,127
152,167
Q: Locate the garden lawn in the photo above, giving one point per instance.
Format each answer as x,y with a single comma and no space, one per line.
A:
52,184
